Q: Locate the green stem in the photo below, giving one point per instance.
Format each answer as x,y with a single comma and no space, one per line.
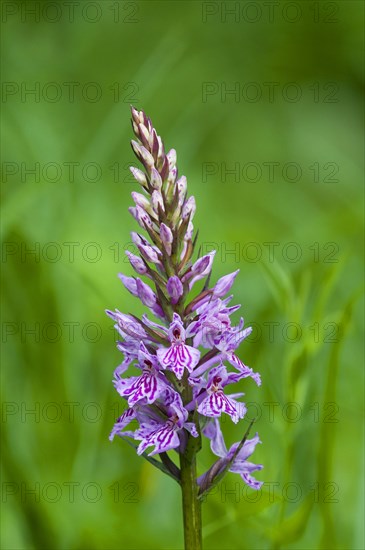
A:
190,502
189,488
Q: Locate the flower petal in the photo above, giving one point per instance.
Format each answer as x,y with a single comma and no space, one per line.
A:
216,403
223,285
252,482
147,386
122,421
164,439
213,431
190,426
174,288
244,370
177,357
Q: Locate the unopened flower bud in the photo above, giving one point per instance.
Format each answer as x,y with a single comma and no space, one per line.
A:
164,168
223,285
189,208
140,239
175,289
137,115
149,253
181,185
137,263
141,200
187,238
126,324
144,155
161,150
140,216
145,293
172,175
200,269
129,283
157,201
139,176
156,180
166,237
171,157
144,135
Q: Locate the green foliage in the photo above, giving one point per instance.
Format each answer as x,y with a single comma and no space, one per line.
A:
309,408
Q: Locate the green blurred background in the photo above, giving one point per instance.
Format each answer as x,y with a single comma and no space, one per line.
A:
292,133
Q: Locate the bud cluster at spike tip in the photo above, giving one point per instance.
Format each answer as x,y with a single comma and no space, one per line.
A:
191,342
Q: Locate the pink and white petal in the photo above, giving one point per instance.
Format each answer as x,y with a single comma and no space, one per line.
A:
190,426
153,325
213,432
235,409
178,407
146,430
189,356
177,357
143,446
252,482
219,372
146,387
122,421
236,395
240,467
195,381
125,386
248,448
212,405
178,369
244,370
169,440
122,367
197,341
164,439
166,356
172,398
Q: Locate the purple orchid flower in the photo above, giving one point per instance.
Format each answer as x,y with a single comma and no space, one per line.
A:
132,334
227,343
177,393
199,270
213,320
149,386
122,422
216,402
140,289
179,355
240,464
164,434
